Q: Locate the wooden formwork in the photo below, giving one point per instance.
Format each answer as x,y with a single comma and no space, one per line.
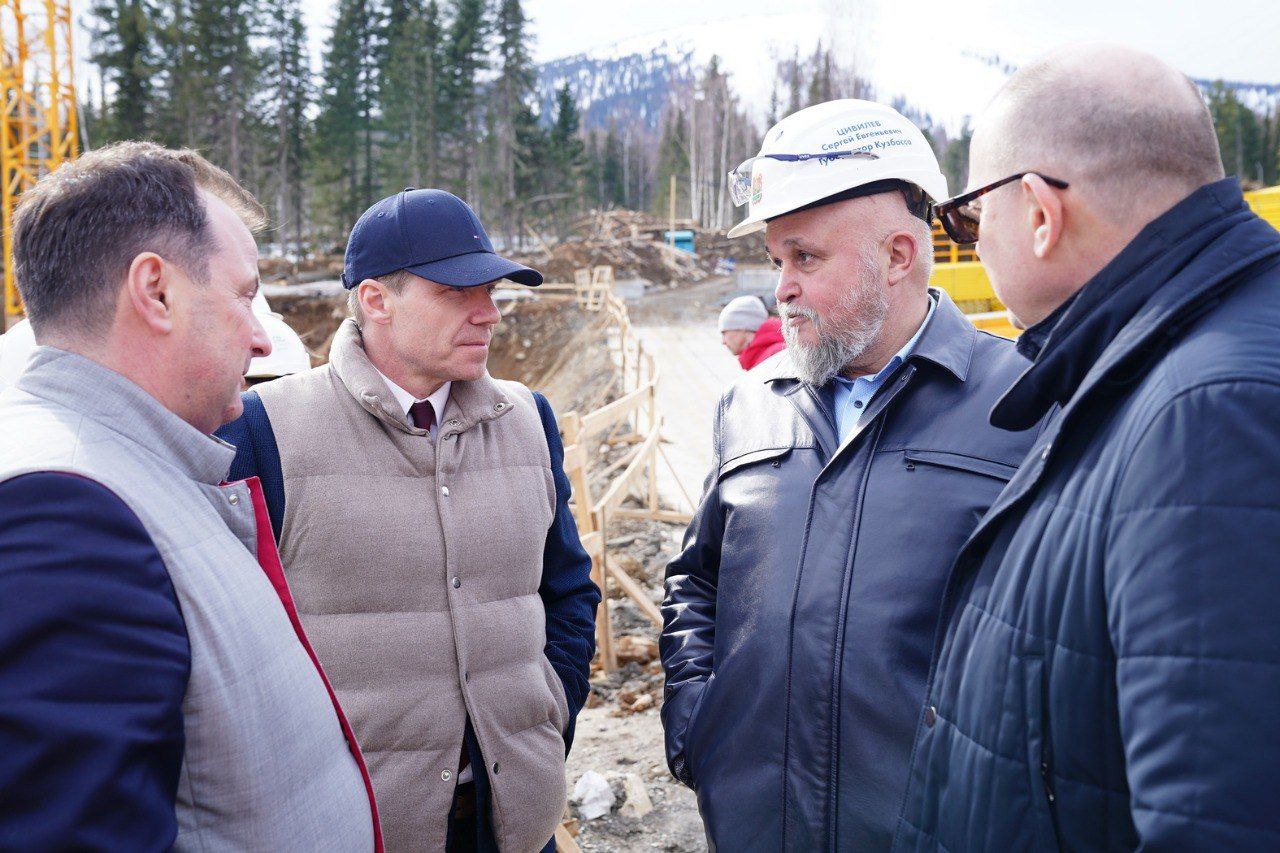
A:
632,419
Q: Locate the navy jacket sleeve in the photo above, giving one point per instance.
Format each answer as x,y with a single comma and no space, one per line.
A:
94,663
1192,592
689,616
568,593
257,455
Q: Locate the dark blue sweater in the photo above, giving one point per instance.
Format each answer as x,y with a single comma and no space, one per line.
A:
94,662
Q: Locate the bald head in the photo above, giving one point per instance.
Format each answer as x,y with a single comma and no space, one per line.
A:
1131,130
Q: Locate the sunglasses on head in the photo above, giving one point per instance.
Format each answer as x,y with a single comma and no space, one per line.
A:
958,216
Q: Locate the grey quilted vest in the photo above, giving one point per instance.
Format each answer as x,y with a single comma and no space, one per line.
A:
266,765
415,565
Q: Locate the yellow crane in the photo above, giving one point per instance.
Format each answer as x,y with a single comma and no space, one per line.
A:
38,127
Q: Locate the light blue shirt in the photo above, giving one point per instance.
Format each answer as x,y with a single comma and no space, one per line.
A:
852,395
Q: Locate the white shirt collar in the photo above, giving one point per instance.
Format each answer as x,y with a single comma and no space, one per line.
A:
406,400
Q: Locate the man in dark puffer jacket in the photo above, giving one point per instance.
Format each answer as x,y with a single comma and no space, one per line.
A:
1106,677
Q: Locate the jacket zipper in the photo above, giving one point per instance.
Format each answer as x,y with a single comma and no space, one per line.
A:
1046,760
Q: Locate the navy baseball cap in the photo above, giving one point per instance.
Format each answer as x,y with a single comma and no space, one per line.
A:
430,233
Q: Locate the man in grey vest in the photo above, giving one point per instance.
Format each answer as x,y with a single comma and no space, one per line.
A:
156,689
422,513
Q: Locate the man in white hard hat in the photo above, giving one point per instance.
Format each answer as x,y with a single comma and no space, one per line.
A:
800,617
747,331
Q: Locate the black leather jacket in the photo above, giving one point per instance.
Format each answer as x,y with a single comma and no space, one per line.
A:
800,617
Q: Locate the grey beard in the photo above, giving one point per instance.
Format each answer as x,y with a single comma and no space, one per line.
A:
854,326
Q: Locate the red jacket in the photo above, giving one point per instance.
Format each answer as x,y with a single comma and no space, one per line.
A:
768,340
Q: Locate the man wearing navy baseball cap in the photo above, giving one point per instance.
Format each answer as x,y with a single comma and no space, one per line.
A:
421,509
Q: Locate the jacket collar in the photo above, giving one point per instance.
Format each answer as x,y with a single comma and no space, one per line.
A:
948,340
469,404
100,394
1176,264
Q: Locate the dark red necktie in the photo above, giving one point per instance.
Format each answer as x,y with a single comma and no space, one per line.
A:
423,415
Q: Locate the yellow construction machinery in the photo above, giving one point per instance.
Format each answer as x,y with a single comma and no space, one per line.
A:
38,127
1266,203
957,270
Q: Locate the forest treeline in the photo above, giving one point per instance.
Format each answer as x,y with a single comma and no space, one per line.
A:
442,93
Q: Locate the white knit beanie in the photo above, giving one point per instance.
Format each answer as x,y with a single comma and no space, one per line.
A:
744,312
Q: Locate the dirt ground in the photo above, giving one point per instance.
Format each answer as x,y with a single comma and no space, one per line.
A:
620,732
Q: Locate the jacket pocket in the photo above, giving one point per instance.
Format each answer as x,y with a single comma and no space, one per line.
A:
772,455
559,701
960,462
692,734
1044,798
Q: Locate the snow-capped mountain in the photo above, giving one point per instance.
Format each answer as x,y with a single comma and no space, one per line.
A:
631,80
946,71
628,89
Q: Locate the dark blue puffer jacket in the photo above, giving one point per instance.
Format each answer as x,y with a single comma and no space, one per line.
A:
1108,676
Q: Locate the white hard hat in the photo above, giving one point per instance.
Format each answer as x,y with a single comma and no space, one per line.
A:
827,149
260,305
16,346
288,355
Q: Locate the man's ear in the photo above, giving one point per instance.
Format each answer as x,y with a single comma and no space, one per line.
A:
1046,214
147,291
903,249
373,301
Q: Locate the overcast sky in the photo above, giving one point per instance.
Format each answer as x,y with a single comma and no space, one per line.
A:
1222,38
1231,39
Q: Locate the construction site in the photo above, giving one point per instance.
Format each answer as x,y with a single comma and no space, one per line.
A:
623,342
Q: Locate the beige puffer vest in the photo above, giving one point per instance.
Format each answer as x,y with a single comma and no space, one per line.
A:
415,566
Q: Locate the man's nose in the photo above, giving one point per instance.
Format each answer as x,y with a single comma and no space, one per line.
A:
261,340
787,288
487,313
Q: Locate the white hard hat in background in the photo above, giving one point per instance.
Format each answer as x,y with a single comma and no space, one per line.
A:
260,305
827,149
288,354
16,346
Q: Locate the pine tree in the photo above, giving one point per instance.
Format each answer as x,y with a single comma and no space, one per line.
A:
176,85
125,51
345,124
465,50
224,69
290,75
512,90
955,159
612,157
566,154
1241,135
434,97
532,152
795,83
820,64
673,159
409,98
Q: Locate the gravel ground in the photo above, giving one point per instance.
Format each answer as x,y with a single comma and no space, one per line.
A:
614,747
